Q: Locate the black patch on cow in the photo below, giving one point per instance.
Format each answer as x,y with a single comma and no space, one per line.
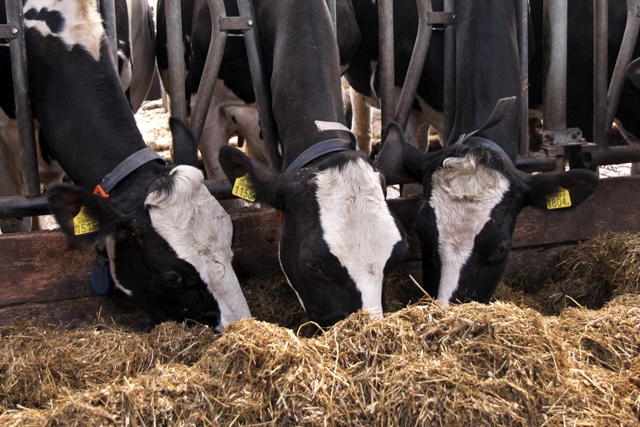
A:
53,18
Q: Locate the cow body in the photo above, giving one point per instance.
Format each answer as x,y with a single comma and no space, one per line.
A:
167,238
339,236
472,192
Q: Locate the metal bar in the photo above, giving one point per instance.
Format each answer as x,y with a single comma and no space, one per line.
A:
522,11
415,66
211,68
555,23
332,11
616,155
449,74
261,86
21,206
536,164
387,62
108,11
221,190
176,59
8,32
624,58
600,72
29,158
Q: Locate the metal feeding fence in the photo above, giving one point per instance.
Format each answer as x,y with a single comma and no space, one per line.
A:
560,142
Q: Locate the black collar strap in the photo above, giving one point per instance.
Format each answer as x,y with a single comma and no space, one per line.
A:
324,147
478,141
125,168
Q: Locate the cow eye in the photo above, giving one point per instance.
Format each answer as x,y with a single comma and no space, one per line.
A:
499,253
313,266
173,278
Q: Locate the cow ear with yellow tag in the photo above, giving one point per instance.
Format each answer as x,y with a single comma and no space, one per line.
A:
563,190
82,216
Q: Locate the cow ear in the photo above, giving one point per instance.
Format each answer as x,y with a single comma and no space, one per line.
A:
83,216
549,191
185,146
391,156
265,182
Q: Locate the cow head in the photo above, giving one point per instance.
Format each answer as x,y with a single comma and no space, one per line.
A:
169,244
472,197
338,236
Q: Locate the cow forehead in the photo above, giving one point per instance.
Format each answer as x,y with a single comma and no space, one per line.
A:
74,22
200,232
357,225
464,193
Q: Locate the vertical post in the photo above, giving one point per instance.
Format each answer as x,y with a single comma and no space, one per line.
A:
332,11
522,11
555,23
211,68
176,59
624,58
449,74
260,86
108,9
600,72
29,158
387,62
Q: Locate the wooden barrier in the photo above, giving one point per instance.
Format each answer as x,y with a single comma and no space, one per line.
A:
43,275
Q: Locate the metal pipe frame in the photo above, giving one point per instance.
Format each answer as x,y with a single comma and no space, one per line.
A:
332,11
522,11
600,72
555,22
260,86
175,52
415,66
26,131
387,62
211,68
108,9
449,73
624,58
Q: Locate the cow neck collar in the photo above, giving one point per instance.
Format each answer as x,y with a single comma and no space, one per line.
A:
324,147
126,168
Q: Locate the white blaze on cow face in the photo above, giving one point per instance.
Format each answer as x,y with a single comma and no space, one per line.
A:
78,22
200,232
357,225
464,192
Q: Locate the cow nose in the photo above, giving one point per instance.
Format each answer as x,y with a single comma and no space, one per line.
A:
210,318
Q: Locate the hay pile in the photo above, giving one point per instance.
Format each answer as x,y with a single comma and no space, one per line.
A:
425,365
589,275
497,364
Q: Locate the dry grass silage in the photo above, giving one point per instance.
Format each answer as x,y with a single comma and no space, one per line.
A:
471,364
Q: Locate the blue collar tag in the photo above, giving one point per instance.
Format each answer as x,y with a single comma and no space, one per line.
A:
101,279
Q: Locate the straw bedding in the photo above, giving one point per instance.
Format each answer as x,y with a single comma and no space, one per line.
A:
472,364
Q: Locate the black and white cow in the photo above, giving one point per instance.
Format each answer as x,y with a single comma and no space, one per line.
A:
136,44
472,193
339,236
167,238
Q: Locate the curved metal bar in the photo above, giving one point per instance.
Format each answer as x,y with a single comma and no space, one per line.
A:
176,59
387,62
29,157
261,86
415,66
211,68
624,58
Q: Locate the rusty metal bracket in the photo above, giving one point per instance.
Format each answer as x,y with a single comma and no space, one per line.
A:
562,137
235,23
440,18
8,31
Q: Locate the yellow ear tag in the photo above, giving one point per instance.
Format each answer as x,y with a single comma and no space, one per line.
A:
559,199
243,189
84,223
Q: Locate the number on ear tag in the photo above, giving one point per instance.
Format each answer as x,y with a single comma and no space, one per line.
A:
84,223
243,189
560,199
